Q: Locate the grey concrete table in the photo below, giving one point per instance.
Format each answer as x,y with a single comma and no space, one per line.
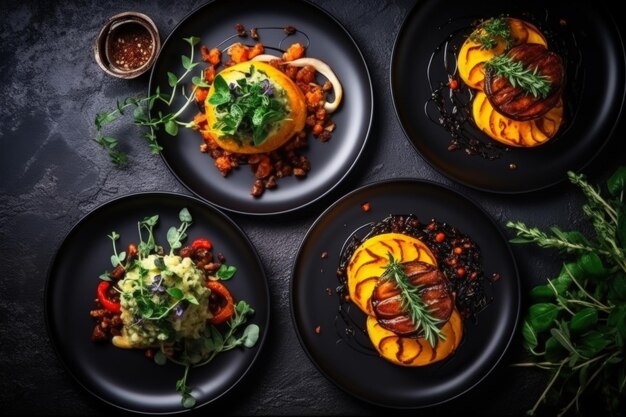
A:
52,174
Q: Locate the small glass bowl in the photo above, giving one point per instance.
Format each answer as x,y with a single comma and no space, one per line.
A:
127,21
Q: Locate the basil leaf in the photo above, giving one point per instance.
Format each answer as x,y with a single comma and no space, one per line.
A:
542,315
226,272
583,320
530,337
616,183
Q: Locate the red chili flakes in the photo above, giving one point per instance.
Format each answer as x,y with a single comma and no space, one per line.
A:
130,47
318,329
495,277
440,237
366,207
329,291
325,254
454,84
289,30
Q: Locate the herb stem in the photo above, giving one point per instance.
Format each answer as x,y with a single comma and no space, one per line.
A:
518,75
583,387
598,304
545,391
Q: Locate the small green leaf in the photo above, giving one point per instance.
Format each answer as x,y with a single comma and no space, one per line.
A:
105,276
160,358
171,127
217,338
542,293
591,264
542,316
188,401
530,337
175,293
192,300
160,263
617,319
554,350
151,221
583,320
562,338
226,272
185,215
186,62
616,184
593,343
250,335
192,40
172,79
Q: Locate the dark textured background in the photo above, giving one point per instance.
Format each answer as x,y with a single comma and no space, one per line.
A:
52,174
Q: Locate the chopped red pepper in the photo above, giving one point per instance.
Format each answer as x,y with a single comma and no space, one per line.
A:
201,244
221,302
103,297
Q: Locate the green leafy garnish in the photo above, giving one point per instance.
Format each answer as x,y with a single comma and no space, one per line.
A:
159,302
202,351
576,328
519,75
226,272
248,109
412,302
176,236
141,111
491,31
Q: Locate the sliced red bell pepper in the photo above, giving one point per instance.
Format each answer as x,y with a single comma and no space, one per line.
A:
201,244
104,299
223,306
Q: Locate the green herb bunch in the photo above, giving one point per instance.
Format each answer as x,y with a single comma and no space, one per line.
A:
412,302
576,328
247,109
142,110
491,31
518,75
158,302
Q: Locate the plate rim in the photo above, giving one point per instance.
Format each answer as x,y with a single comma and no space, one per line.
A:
74,229
609,137
408,180
358,154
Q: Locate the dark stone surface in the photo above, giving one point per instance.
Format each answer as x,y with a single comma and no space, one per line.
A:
52,174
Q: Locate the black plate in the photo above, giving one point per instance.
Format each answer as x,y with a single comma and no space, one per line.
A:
596,92
368,376
126,379
330,161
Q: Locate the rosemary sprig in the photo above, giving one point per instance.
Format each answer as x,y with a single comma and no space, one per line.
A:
519,75
143,105
576,327
492,30
411,301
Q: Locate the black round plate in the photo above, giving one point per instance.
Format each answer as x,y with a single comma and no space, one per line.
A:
600,95
125,378
330,162
368,376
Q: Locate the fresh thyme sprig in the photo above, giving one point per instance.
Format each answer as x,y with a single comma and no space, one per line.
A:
519,75
489,32
411,301
576,328
142,107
